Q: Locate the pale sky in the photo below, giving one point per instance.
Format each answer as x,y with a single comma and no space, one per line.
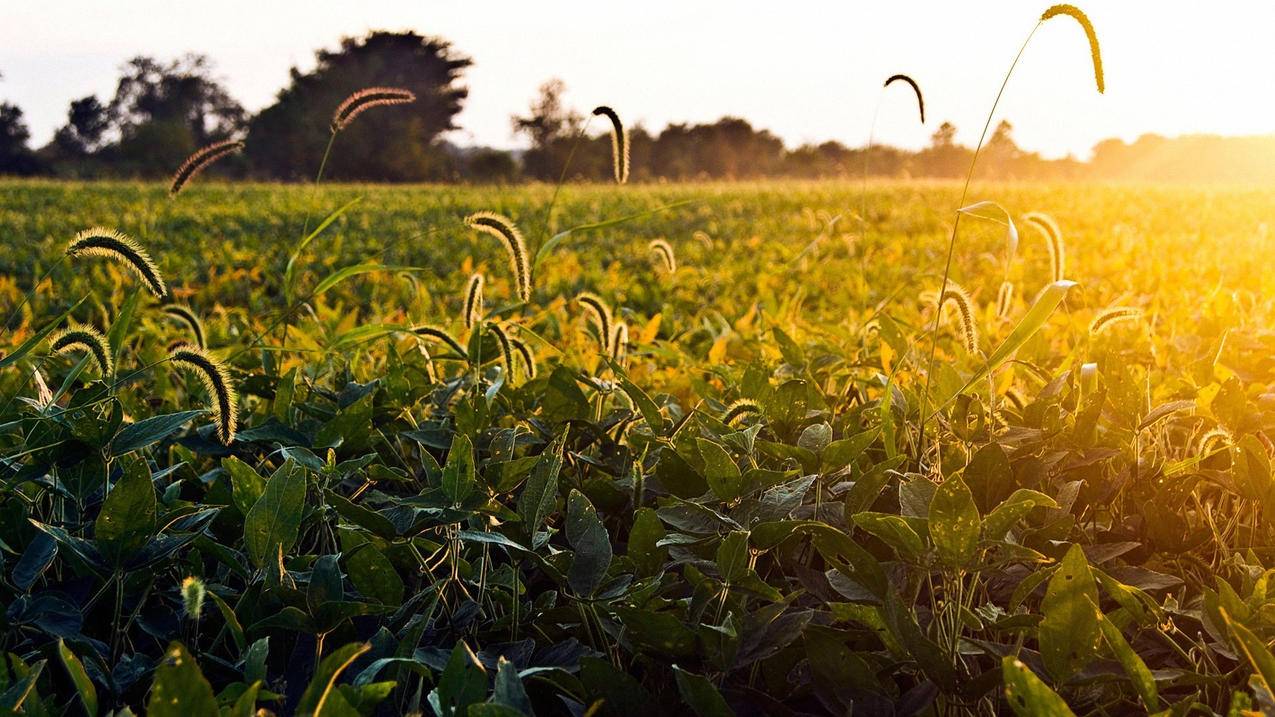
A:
806,70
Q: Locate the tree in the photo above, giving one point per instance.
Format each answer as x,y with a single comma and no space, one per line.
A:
287,139
87,122
553,130
944,157
15,156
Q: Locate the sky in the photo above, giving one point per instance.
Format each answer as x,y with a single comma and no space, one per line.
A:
807,71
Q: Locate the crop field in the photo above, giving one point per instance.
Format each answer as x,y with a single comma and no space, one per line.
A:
679,448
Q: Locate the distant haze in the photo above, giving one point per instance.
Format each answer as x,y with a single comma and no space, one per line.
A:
807,71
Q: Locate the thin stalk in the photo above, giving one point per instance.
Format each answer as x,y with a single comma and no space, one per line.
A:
951,244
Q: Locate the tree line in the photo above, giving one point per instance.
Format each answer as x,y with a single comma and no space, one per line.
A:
162,111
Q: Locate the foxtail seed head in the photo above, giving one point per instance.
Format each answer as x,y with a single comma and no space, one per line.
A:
504,230
599,315
739,409
185,315
193,593
916,89
216,379
1004,299
474,301
200,160
433,332
115,245
364,100
82,337
1107,318
524,354
619,144
506,350
664,251
1094,53
965,313
620,343
1053,240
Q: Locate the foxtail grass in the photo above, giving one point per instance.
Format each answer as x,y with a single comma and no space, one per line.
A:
664,251
199,161
599,315
1004,299
438,334
474,301
81,337
212,373
506,349
185,315
916,89
1046,225
619,143
739,409
118,247
960,298
620,343
524,353
364,100
1095,53
1105,319
504,230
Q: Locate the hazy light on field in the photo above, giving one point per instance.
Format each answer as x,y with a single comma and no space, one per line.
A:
809,71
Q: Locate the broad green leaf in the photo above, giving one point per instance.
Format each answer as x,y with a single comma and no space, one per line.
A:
1012,509
895,532
290,268
1254,649
127,519
723,476
1134,667
590,543
79,677
246,485
1069,631
954,523
321,698
643,550
463,683
179,689
732,556
150,430
325,584
371,573
508,690
271,526
540,493
459,476
700,695
1027,694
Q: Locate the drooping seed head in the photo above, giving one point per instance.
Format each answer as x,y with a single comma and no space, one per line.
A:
473,301
502,341
199,161
1215,436
1004,299
187,316
438,334
619,144
364,100
1105,319
524,353
664,251
1079,16
960,298
81,337
504,230
739,409
916,89
116,246
1046,225
213,375
599,315
620,343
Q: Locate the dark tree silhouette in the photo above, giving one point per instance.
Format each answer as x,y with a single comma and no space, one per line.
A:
15,156
287,139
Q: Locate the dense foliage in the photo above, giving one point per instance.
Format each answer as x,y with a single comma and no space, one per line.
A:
395,529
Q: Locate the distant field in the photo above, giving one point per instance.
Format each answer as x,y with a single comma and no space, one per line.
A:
743,497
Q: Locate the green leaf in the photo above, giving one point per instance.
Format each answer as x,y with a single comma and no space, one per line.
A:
459,476
246,485
562,236
732,556
1026,328
371,573
723,476
536,501
365,518
321,698
325,584
1068,633
650,412
290,268
13,699
563,400
179,689
954,523
1027,694
643,550
127,519
1134,667
1012,509
351,428
150,430
463,683
700,695
508,690
271,526
591,544
79,677
1254,649
895,532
